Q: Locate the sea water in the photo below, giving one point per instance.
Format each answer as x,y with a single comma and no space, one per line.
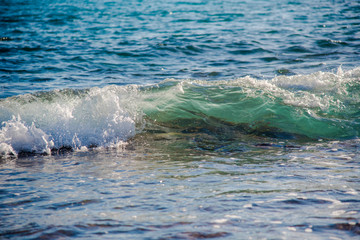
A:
192,119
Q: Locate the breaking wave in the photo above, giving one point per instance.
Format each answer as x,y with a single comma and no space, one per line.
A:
321,105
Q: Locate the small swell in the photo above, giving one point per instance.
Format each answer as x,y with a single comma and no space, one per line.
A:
60,206
352,228
328,43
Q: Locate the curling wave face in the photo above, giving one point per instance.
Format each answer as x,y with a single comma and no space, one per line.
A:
321,105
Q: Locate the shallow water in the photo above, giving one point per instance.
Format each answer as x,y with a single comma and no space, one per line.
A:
179,119
167,188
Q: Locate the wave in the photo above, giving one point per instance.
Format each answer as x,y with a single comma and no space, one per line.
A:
322,105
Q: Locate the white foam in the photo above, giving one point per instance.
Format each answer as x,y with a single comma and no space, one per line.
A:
318,90
104,117
16,136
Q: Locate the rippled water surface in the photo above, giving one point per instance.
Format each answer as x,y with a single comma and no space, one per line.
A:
192,119
57,44
173,189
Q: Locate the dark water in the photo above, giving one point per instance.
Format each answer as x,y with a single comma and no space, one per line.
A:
179,119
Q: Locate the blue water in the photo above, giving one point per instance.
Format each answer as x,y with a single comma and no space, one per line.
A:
79,44
179,119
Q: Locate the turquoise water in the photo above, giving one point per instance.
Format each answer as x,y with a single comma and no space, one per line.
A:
179,119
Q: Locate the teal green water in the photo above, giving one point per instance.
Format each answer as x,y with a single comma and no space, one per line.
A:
321,105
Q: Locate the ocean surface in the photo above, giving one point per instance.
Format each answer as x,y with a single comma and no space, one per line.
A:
180,119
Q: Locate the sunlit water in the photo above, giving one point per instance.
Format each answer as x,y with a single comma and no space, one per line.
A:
169,189
179,119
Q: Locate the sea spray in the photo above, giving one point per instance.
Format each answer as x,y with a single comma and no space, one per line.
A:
16,136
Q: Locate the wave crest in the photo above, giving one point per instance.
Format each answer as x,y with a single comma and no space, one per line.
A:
320,105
